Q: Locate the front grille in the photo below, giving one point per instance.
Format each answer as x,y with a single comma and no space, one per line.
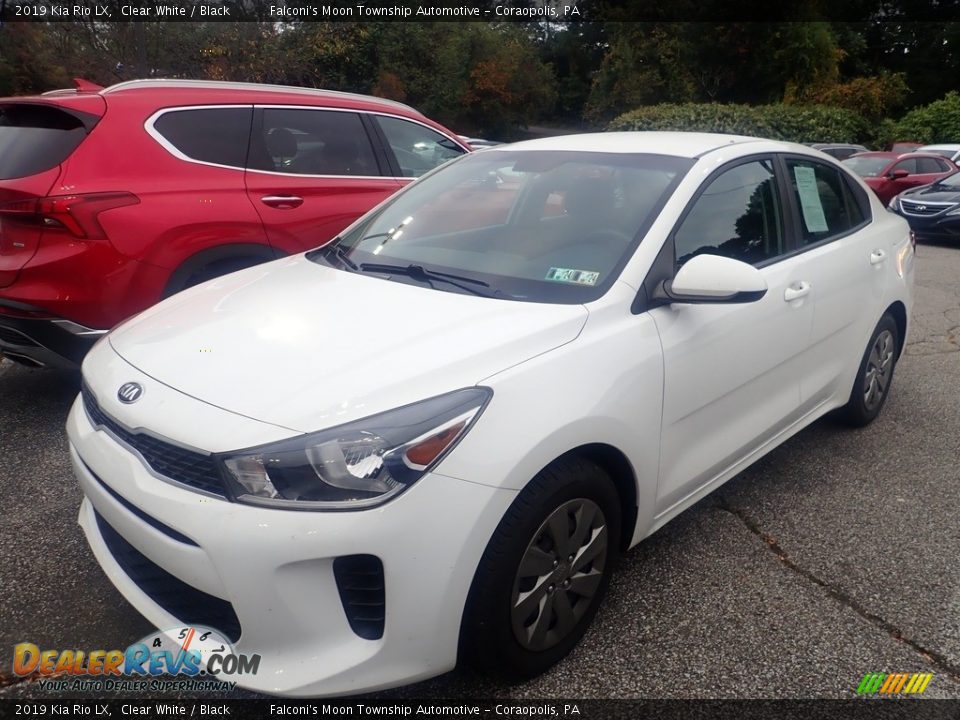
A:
15,337
923,209
189,605
185,466
362,592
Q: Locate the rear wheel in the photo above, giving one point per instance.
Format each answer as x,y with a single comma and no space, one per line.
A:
544,572
872,384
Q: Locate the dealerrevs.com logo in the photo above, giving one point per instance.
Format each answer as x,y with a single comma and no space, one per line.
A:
197,658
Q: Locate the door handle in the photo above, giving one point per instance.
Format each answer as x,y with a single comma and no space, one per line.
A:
877,256
796,291
282,201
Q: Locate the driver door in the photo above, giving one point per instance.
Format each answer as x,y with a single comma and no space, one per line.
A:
731,371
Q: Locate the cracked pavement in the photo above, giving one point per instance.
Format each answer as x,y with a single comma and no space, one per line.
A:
833,556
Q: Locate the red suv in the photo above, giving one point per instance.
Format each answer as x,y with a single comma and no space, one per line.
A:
111,199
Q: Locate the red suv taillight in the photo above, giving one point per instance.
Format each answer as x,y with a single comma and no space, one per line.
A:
76,214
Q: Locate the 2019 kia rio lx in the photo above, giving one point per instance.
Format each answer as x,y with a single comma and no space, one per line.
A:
433,437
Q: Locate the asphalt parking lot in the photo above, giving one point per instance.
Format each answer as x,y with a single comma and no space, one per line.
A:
834,556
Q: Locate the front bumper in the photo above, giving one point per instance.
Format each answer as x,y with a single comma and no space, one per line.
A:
32,339
940,227
274,568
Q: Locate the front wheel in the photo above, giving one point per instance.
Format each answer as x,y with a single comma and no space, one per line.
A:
872,384
544,572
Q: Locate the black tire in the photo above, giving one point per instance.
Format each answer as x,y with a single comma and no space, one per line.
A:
874,376
572,490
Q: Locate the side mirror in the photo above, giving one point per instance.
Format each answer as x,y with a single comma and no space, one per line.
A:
898,174
715,279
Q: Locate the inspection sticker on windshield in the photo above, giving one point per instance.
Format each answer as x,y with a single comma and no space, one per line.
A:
578,277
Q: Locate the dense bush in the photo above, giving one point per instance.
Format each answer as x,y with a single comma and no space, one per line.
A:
934,123
799,123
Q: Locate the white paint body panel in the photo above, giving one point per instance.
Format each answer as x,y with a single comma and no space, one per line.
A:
688,394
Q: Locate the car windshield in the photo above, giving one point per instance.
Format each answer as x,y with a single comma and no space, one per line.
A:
538,226
950,181
868,166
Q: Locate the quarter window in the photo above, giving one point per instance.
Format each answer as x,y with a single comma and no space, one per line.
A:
737,216
312,142
417,148
213,135
826,205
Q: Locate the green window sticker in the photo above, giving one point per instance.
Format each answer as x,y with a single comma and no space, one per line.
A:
577,277
810,203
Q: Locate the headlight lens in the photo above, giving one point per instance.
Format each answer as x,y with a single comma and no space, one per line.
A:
894,204
357,465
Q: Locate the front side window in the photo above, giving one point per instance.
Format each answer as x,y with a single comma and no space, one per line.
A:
213,135
738,216
827,206
910,165
537,226
417,148
312,142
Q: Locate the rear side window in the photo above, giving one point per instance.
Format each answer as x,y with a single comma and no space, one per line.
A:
312,142
826,203
36,138
928,165
212,135
417,148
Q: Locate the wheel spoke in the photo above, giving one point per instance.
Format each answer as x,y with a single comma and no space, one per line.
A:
536,563
585,585
584,524
559,528
542,624
526,601
596,546
566,618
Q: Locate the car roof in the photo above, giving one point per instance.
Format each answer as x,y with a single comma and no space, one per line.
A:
215,91
890,155
679,144
941,146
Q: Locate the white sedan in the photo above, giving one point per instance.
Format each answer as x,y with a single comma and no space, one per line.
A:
434,436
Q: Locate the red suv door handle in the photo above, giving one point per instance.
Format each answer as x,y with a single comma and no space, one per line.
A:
287,202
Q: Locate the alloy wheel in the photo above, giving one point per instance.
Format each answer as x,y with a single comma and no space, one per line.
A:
559,574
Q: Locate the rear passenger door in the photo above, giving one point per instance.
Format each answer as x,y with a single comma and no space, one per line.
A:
313,171
842,255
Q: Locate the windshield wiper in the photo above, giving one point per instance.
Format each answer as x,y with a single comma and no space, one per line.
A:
337,251
418,272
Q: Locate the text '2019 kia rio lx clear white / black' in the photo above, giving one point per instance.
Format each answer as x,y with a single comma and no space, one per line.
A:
433,437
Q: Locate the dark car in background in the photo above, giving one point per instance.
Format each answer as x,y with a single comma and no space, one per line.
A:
890,173
933,211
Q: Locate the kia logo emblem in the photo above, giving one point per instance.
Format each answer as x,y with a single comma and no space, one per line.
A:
130,392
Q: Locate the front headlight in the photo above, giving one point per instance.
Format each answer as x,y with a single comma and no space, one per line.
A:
357,465
894,204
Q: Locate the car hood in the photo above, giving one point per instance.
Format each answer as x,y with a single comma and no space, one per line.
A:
933,193
306,347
